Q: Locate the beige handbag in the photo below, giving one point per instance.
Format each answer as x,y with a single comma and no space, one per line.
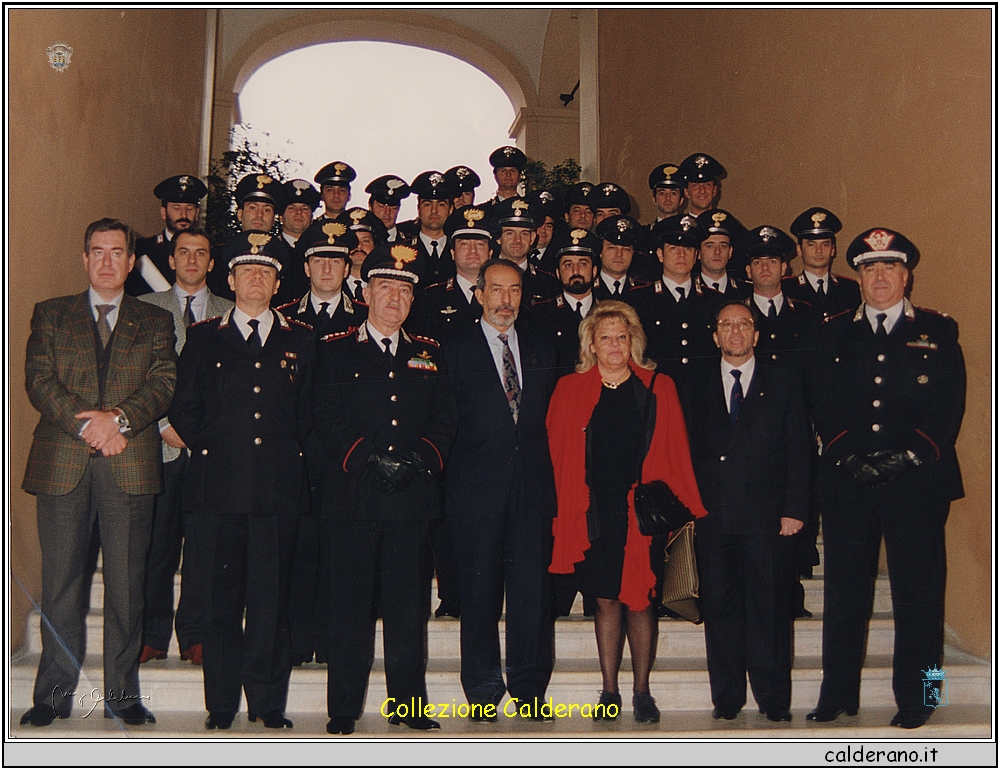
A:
680,575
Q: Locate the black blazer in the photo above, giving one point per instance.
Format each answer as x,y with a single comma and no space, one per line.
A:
491,453
752,474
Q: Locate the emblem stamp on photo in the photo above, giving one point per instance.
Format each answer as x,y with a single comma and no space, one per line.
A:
935,687
59,55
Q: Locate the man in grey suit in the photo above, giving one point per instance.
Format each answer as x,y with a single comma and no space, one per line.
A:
190,301
100,368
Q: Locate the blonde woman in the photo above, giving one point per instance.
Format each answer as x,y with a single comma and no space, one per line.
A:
597,439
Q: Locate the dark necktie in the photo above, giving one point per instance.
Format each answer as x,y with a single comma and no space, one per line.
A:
772,311
880,329
104,328
434,251
387,347
188,311
735,397
253,341
715,286
324,309
618,289
579,309
819,287
510,384
680,293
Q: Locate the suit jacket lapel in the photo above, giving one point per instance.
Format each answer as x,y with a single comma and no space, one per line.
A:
126,329
488,367
80,325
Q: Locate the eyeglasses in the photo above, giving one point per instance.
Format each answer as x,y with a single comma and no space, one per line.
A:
728,326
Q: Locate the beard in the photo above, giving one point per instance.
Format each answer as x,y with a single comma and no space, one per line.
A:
577,285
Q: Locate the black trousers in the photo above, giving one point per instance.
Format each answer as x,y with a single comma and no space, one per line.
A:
166,543
307,605
508,554
376,566
65,528
910,516
746,605
245,563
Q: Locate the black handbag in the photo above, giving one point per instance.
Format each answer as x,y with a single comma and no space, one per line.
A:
657,509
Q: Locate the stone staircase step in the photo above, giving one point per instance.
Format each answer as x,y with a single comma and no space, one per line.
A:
951,722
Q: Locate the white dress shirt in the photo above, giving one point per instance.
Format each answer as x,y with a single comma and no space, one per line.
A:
763,303
242,320
334,301
814,281
199,305
673,286
376,335
746,375
585,302
467,287
892,315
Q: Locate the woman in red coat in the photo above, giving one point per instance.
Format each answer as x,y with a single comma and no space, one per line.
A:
596,536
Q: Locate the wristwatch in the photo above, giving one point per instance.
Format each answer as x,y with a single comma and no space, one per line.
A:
121,420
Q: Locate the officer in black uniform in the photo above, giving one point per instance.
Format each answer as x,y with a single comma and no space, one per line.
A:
676,313
667,185
449,307
722,267
299,200
620,237
544,201
327,309
508,163
786,326
579,209
513,223
888,396
558,320
703,177
434,196
242,407
180,206
816,230
334,181
385,194
463,181
368,231
387,417
610,200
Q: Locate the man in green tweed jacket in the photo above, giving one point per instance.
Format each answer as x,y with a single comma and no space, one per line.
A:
100,369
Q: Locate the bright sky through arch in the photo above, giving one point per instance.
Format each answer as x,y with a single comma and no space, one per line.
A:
381,107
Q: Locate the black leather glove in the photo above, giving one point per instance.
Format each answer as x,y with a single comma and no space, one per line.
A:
410,468
381,470
892,463
862,473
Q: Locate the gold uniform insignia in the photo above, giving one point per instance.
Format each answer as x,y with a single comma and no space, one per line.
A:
402,254
263,179
332,230
257,241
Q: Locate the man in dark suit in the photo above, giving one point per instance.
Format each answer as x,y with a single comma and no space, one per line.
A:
180,206
328,310
386,416
887,396
100,368
749,439
190,301
500,497
242,408
816,230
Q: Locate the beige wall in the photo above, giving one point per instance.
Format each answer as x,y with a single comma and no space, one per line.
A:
882,116
86,143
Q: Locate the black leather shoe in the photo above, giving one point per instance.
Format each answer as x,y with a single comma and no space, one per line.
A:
415,723
829,713
777,714
41,716
644,708
340,726
607,700
276,720
802,612
136,714
910,720
219,720
726,712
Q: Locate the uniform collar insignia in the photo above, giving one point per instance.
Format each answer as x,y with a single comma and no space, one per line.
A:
224,323
348,305
363,333
404,335
303,303
802,279
560,301
450,284
283,321
908,310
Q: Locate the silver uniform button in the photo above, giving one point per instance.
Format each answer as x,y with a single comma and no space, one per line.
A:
256,388
357,374
257,365
684,360
881,357
392,375
774,336
774,356
257,441
392,397
876,403
684,325
256,415
878,380
657,323
722,458
684,342
218,364
559,333
391,447
204,451
876,427
395,423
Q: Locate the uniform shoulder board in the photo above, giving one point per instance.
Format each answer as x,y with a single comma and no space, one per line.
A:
634,284
838,315
532,269
836,278
428,340
279,308
338,335
436,285
297,322
206,321
536,302
794,303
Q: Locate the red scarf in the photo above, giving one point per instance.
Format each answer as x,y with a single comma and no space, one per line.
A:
668,459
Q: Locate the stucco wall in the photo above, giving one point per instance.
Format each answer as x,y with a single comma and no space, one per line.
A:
882,116
86,143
